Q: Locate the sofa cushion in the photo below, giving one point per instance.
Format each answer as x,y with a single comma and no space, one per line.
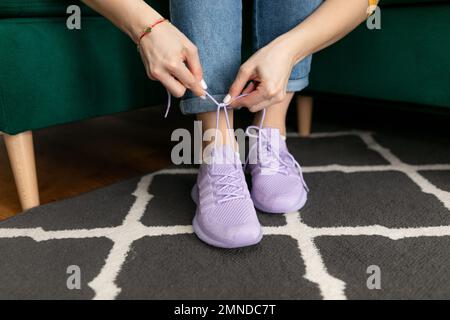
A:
50,75
52,8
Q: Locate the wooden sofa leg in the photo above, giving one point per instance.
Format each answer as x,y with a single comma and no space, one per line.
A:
304,115
21,156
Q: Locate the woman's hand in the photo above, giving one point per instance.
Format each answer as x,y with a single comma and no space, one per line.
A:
268,70
270,67
172,59
168,55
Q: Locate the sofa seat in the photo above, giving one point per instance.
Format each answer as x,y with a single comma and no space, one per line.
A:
50,75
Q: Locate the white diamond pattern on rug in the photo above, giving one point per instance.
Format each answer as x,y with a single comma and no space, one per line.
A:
316,269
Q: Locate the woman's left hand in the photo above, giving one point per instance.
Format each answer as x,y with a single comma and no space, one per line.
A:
268,70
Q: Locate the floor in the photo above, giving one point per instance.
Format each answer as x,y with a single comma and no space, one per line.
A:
80,157
376,224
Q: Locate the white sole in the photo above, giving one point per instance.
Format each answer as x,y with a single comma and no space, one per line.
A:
298,206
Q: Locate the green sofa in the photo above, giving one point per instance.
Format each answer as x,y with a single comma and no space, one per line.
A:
407,60
50,75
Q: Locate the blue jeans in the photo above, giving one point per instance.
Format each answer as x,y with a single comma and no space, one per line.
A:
215,27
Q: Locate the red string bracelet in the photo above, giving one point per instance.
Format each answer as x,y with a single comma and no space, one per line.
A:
148,30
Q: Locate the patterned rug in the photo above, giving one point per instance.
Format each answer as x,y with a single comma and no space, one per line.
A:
376,226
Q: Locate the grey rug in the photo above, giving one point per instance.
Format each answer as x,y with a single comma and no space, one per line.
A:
376,226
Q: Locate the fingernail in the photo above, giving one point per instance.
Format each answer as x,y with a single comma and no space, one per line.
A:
203,97
203,84
227,99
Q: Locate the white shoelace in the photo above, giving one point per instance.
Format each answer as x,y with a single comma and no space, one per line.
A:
229,184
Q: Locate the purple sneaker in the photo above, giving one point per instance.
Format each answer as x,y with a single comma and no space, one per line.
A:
277,180
225,216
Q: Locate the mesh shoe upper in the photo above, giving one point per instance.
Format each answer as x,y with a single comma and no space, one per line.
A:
225,211
277,180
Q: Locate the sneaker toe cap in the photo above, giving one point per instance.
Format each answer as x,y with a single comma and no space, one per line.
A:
243,235
230,234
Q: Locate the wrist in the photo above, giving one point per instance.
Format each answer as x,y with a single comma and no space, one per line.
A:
140,21
286,44
292,43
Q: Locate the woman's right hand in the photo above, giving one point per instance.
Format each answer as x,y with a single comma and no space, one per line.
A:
171,58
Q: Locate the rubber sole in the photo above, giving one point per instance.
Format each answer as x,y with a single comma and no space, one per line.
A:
299,205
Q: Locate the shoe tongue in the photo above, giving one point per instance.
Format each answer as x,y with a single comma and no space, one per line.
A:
272,144
224,155
273,139
225,161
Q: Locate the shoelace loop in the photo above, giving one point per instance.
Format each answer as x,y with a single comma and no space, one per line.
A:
229,184
271,160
